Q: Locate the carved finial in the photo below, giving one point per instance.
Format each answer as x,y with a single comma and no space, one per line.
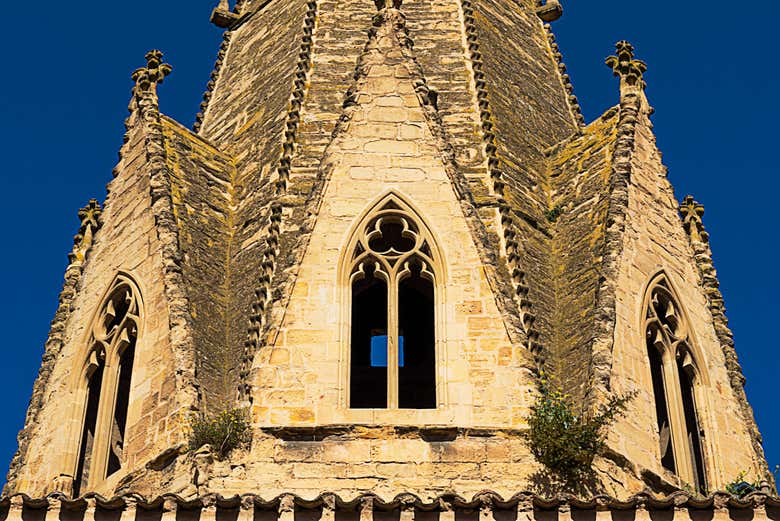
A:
383,4
692,213
90,216
222,16
549,11
154,72
624,65
90,223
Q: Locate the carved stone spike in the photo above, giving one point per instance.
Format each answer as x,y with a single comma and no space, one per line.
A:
90,215
550,11
154,73
626,66
692,213
90,223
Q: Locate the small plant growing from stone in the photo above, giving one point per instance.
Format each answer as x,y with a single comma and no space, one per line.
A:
554,214
741,487
567,442
224,431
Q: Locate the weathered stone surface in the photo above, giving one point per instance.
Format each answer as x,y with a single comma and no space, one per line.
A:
546,234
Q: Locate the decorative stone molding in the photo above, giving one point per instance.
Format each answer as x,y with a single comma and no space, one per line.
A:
692,214
488,503
180,320
90,224
223,49
222,16
574,104
601,361
263,293
508,225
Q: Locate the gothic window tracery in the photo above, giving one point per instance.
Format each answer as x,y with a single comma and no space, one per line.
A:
107,379
675,376
392,281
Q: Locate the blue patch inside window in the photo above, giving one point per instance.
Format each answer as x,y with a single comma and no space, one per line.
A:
379,351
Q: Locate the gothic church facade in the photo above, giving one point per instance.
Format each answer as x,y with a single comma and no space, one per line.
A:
389,218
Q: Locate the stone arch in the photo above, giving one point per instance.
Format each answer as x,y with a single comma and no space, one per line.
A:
417,256
102,385
680,382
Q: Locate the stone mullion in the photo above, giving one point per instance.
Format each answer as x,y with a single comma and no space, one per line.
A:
392,342
101,443
682,456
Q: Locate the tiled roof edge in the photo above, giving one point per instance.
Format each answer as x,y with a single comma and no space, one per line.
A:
489,499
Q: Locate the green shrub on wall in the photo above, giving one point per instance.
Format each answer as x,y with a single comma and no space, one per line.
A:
223,431
567,442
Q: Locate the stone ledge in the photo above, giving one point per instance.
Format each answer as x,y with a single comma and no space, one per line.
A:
431,433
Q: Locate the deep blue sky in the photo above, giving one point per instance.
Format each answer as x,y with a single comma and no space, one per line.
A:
66,84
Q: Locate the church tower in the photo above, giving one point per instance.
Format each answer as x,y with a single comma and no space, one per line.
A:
389,221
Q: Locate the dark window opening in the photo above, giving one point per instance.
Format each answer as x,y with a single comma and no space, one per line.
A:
417,357
693,430
83,468
661,410
368,377
119,424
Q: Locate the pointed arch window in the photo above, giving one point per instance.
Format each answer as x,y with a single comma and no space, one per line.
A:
677,382
392,277
106,384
